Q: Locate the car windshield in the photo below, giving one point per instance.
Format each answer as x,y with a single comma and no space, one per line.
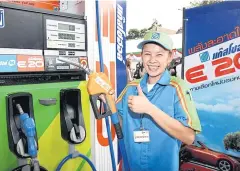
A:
197,144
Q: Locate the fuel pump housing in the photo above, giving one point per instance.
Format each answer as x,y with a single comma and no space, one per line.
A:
32,40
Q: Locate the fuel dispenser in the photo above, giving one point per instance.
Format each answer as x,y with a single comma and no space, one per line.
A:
44,104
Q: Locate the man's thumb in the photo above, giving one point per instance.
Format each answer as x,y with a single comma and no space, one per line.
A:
140,93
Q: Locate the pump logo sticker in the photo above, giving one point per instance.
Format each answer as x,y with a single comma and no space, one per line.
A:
83,61
8,63
30,63
2,20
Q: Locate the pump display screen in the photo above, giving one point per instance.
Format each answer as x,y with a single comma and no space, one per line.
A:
65,35
69,27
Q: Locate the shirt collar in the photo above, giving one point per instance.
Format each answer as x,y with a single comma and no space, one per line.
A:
164,80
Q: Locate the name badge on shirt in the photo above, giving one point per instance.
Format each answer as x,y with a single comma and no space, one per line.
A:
141,136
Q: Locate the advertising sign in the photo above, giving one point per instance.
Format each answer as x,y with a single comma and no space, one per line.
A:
121,44
30,63
8,63
52,5
212,70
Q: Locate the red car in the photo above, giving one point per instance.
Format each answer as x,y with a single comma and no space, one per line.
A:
203,154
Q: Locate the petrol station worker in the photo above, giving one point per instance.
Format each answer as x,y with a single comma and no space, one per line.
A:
158,113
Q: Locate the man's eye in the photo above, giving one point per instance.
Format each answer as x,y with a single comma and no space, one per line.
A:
147,53
159,54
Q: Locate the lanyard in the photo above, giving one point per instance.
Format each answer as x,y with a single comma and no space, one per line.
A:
141,122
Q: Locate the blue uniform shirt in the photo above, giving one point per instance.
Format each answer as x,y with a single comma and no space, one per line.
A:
162,152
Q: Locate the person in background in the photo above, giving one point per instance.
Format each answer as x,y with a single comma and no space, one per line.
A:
136,74
173,71
157,111
129,73
142,70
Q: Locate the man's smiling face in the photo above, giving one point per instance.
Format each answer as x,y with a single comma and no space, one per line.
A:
155,59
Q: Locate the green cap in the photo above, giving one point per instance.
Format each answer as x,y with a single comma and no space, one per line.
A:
157,37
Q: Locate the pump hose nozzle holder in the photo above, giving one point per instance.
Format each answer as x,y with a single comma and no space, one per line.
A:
72,124
22,135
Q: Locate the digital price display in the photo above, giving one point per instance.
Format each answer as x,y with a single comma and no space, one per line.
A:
65,35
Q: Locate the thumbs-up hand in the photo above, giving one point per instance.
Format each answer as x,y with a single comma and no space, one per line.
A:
139,104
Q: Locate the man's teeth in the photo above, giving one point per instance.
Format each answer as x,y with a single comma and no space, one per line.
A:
153,67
